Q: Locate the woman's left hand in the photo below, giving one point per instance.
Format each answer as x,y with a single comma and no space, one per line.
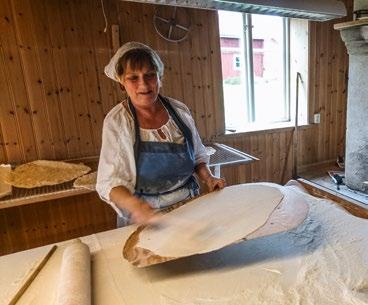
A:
215,184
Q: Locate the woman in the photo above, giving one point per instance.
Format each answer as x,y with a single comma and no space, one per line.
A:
150,146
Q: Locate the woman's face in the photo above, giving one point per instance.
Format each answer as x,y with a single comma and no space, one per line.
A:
141,85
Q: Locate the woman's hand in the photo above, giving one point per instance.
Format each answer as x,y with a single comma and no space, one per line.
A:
214,184
142,213
204,174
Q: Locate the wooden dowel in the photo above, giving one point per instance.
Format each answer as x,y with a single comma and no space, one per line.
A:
32,276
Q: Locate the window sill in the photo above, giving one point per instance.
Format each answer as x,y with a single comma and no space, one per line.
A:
266,128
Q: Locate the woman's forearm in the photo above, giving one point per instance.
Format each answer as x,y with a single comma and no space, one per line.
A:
203,172
140,210
123,198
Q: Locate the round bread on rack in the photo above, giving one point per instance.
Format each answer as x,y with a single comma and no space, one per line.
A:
44,172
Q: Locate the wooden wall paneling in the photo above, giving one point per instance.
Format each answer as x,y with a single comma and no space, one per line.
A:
245,168
25,140
47,114
328,76
216,69
124,10
115,37
149,35
12,224
56,21
287,172
285,149
262,156
255,151
329,152
35,105
42,223
268,157
87,34
208,92
76,53
333,96
6,242
304,147
304,143
109,90
185,60
176,72
322,38
276,162
163,48
196,61
315,99
3,155
10,139
319,86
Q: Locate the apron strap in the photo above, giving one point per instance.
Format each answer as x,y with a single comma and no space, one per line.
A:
182,126
179,122
137,141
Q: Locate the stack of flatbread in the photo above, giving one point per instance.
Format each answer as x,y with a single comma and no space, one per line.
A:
5,189
87,181
42,172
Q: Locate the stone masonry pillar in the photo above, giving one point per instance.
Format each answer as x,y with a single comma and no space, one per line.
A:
356,155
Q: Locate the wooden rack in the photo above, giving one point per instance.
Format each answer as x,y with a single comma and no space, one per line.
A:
223,156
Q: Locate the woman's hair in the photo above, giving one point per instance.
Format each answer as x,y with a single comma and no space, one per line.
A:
137,59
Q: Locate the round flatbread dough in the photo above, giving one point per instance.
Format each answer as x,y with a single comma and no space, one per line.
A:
42,172
86,182
212,221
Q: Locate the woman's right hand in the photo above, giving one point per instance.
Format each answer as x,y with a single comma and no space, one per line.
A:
140,210
142,213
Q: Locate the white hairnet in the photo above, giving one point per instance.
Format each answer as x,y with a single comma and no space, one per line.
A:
110,69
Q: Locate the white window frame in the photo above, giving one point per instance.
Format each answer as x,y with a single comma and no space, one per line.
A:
249,71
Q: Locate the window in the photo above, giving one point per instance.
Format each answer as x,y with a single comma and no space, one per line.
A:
255,69
237,64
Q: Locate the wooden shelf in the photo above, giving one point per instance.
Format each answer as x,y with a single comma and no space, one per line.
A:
350,24
223,156
23,196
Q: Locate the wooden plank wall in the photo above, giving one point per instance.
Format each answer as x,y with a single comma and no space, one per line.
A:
42,223
54,95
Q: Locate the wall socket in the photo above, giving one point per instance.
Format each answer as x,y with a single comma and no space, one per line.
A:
317,118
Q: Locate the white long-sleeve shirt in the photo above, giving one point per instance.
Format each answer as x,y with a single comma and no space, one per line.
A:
117,163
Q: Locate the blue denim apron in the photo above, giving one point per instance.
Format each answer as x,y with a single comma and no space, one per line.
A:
163,167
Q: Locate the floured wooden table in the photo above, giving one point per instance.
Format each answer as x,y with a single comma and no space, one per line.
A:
322,261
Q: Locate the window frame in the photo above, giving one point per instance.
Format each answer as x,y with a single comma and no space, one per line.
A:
249,69
289,50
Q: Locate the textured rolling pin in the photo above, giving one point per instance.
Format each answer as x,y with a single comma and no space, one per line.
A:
74,286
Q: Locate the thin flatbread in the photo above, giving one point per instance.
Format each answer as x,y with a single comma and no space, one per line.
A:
86,182
42,172
5,189
216,220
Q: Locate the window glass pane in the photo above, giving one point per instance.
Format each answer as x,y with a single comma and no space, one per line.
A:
254,79
233,65
268,69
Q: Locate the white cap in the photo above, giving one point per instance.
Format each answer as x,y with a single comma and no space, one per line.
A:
110,69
